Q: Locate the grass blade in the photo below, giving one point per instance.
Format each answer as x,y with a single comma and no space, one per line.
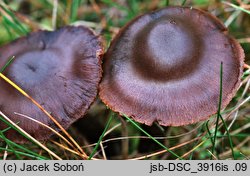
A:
9,144
7,64
219,109
237,7
74,8
54,14
7,29
6,120
35,155
101,137
167,2
196,143
183,2
13,21
210,134
151,137
20,153
229,137
45,112
46,126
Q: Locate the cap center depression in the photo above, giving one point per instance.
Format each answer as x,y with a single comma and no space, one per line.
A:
36,65
168,48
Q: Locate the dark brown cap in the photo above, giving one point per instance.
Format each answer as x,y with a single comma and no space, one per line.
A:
165,66
61,70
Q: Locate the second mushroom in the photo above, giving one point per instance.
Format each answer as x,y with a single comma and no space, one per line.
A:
61,70
164,66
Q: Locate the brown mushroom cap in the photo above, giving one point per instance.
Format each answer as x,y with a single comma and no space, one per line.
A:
61,70
165,66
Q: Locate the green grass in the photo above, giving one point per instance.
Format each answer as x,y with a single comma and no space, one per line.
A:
7,64
74,7
151,137
219,108
101,137
12,22
220,117
14,147
214,139
237,7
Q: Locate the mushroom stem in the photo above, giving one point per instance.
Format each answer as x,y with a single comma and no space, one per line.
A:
46,112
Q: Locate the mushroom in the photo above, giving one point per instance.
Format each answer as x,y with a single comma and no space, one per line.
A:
164,66
61,70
